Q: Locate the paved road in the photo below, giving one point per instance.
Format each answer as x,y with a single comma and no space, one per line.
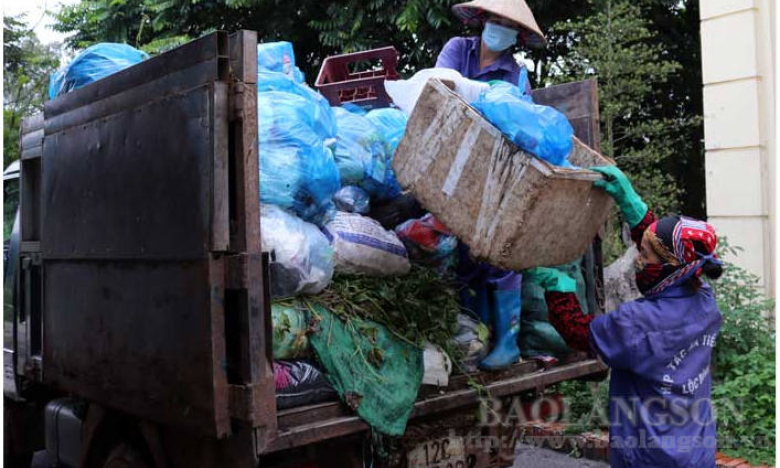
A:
526,457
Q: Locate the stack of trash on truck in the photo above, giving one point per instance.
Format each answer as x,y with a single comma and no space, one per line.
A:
365,298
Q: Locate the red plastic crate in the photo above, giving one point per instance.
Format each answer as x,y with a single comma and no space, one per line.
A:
339,85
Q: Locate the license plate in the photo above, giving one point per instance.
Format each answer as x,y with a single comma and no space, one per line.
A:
446,452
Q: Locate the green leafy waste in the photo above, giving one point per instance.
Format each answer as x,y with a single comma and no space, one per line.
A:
418,307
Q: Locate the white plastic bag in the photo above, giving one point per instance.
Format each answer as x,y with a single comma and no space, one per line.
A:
362,246
303,262
437,366
405,93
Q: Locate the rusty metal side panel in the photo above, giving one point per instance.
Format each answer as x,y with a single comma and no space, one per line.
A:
252,390
135,336
135,222
134,185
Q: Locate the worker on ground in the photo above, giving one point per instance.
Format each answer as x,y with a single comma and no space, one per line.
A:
490,292
660,346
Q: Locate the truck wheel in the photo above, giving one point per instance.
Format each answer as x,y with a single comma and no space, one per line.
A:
124,455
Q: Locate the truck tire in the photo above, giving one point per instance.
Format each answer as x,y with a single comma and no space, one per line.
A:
124,455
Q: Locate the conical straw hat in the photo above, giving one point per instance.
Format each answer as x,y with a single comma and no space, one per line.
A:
476,11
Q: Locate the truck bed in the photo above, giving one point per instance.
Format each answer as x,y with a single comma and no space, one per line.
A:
313,423
172,250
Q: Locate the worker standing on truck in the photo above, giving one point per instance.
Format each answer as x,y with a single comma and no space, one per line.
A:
492,293
660,346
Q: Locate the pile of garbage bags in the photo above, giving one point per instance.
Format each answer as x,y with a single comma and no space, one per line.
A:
321,170
295,126
365,145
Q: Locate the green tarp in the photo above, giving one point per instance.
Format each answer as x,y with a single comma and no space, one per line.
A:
373,372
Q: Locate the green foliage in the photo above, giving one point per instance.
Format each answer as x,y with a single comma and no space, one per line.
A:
415,308
745,310
94,21
587,404
27,65
417,28
745,406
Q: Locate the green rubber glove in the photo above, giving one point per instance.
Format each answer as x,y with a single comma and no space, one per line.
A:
617,185
551,279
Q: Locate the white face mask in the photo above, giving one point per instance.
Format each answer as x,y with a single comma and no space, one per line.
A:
497,37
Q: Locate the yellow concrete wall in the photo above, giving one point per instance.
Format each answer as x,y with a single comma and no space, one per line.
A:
737,38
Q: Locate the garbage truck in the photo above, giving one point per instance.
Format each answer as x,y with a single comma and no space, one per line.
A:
137,325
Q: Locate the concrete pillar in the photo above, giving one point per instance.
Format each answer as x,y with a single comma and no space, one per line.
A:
737,38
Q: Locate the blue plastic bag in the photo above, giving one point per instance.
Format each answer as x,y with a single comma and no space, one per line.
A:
391,124
540,130
359,151
354,108
297,169
362,157
278,57
352,199
95,62
318,111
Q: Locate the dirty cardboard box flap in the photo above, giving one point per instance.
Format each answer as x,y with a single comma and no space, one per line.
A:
511,208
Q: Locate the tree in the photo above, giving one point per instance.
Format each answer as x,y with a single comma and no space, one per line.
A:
27,64
641,125
417,28
676,26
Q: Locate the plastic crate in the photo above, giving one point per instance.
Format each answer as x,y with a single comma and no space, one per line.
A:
339,85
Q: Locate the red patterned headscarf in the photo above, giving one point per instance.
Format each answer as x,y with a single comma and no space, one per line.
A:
684,243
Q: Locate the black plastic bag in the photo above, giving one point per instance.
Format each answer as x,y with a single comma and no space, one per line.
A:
393,212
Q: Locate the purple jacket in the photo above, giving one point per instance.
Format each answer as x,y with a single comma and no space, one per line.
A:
462,54
659,349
